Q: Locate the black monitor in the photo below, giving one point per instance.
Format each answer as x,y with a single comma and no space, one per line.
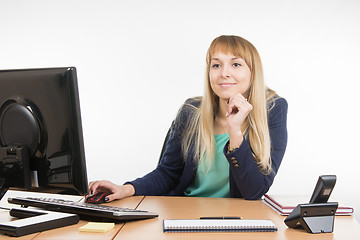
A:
41,136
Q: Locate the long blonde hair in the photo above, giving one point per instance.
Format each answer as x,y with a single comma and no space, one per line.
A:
199,134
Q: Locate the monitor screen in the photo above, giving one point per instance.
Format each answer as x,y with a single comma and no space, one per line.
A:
40,131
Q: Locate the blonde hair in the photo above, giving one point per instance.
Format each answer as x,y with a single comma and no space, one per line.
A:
199,134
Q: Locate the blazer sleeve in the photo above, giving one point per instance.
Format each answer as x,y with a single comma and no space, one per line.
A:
246,179
168,172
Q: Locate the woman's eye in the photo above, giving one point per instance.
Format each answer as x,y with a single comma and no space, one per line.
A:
236,64
216,65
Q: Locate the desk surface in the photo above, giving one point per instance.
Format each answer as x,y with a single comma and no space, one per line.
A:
72,231
345,227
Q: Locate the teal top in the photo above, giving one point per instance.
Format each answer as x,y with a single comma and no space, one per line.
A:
215,182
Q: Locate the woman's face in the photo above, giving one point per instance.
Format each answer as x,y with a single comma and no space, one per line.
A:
229,75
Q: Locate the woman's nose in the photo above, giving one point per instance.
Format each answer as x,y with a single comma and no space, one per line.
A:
225,73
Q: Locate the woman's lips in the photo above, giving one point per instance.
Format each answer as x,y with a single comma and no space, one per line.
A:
226,84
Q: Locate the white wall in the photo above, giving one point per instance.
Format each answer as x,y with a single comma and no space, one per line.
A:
139,60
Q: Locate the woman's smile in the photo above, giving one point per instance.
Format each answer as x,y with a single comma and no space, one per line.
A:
227,84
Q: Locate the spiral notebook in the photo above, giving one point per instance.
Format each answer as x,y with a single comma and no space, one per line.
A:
216,225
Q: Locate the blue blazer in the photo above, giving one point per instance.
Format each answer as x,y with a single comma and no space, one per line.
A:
173,174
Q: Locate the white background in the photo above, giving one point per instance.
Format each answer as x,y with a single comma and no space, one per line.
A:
138,61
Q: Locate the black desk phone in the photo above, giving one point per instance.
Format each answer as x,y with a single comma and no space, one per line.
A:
318,215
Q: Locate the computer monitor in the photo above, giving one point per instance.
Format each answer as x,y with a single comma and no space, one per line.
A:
40,131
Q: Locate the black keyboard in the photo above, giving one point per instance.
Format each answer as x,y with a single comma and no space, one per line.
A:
84,210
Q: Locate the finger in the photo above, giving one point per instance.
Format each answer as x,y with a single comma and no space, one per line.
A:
232,106
237,104
91,186
239,98
98,186
232,110
112,197
229,109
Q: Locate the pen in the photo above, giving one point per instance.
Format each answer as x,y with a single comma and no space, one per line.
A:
219,218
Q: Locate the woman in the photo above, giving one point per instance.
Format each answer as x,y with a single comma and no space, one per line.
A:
228,143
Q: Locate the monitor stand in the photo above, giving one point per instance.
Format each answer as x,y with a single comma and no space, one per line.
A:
15,166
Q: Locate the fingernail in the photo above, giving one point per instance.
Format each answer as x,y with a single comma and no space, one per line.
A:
227,114
106,199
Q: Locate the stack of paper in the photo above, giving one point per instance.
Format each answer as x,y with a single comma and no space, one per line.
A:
285,204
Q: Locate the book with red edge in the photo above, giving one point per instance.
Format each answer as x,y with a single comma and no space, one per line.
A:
285,204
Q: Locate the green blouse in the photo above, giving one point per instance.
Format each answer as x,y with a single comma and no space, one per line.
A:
215,182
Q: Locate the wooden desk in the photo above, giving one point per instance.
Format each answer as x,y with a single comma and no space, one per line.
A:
72,232
345,227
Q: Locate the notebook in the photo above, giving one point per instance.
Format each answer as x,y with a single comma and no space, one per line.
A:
285,204
216,225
